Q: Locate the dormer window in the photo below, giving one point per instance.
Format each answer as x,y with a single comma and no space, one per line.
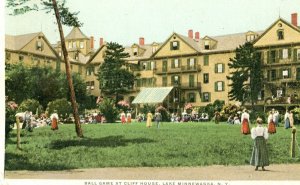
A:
206,44
280,34
81,45
250,37
174,45
39,45
154,48
135,51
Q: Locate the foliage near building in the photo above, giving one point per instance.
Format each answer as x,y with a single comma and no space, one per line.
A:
108,108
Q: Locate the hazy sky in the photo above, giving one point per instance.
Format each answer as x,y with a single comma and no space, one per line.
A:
124,21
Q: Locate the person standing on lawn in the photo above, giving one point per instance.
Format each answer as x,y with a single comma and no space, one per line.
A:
123,117
217,117
271,124
128,115
276,118
54,120
287,120
245,120
260,156
149,119
157,117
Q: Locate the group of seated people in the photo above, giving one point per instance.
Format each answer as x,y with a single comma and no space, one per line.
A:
185,117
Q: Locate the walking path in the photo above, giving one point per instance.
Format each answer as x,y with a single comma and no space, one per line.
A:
273,172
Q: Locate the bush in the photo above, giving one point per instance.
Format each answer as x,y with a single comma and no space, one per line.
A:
108,109
148,108
164,113
31,105
229,110
10,111
62,106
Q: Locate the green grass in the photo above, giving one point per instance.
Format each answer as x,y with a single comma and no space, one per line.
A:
116,145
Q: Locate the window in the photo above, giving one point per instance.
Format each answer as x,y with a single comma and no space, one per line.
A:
39,45
286,73
206,60
191,63
74,45
219,86
176,80
206,78
89,71
70,45
298,74
206,97
164,81
144,65
285,53
272,75
90,85
154,48
152,65
176,63
59,53
164,65
298,54
219,68
280,34
191,80
206,44
272,56
191,97
135,51
21,58
81,45
174,45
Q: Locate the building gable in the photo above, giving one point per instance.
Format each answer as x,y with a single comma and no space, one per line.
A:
175,45
39,45
98,56
279,33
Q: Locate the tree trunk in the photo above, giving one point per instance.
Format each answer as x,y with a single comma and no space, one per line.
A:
68,71
18,133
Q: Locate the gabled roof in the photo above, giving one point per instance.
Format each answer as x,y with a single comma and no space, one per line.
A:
17,42
146,54
270,27
95,54
76,33
225,42
190,42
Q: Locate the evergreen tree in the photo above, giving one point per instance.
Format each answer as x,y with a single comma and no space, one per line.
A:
114,78
246,78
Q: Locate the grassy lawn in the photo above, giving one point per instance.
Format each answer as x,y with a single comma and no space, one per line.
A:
116,145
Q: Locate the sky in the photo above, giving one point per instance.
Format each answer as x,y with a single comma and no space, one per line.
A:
124,21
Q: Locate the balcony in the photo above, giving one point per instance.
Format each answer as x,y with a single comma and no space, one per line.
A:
182,69
186,86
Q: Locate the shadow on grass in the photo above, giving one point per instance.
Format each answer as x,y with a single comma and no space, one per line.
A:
20,162
110,141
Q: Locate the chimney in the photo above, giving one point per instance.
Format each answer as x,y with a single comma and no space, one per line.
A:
141,41
92,42
197,36
100,42
190,34
294,17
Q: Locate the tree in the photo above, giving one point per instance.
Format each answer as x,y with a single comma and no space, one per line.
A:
113,77
65,17
43,84
109,110
246,78
62,106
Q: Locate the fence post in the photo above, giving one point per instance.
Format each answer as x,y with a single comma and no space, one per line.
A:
293,149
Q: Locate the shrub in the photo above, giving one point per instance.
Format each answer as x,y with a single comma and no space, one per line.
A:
109,110
148,108
229,110
31,105
164,113
10,111
123,105
62,106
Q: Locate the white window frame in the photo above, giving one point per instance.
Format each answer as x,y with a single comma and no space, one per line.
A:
74,44
192,62
176,63
220,86
220,68
298,54
70,45
285,53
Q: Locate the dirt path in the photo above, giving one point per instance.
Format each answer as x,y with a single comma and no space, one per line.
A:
274,172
